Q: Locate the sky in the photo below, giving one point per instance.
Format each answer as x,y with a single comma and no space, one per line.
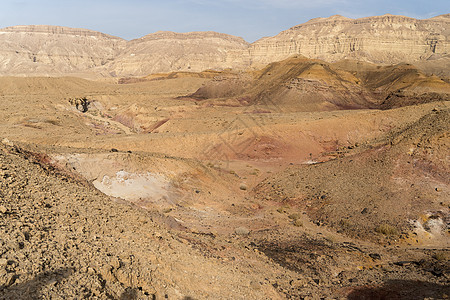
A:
250,19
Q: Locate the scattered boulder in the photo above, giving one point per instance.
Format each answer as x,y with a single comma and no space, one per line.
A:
81,104
243,187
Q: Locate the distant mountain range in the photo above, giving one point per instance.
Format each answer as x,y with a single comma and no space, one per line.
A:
40,50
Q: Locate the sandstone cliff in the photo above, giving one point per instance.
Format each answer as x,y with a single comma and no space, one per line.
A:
388,39
53,50
382,39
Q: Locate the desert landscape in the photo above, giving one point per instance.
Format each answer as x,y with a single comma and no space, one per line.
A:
313,164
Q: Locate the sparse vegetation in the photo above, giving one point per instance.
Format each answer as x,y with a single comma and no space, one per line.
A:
255,172
441,256
298,223
53,122
345,224
294,216
386,229
282,210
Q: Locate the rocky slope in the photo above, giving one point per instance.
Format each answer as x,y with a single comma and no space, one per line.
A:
399,184
60,237
304,84
52,50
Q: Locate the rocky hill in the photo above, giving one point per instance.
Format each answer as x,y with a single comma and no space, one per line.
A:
388,39
304,84
53,50
170,51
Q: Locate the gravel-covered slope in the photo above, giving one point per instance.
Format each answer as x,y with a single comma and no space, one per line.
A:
62,239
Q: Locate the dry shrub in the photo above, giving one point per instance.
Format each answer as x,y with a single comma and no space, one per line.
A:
386,229
294,216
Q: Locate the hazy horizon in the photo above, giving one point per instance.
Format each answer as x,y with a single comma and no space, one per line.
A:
249,19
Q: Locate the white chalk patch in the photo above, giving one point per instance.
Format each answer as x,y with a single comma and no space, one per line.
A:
134,186
431,227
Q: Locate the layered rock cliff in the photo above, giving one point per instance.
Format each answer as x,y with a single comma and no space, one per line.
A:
169,51
382,39
53,50
388,39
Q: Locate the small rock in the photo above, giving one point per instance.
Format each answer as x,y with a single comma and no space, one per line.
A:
115,263
375,256
404,263
3,209
242,231
243,187
6,279
7,142
3,262
52,281
255,285
437,272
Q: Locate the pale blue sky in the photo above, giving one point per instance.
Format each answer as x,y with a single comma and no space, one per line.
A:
250,19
